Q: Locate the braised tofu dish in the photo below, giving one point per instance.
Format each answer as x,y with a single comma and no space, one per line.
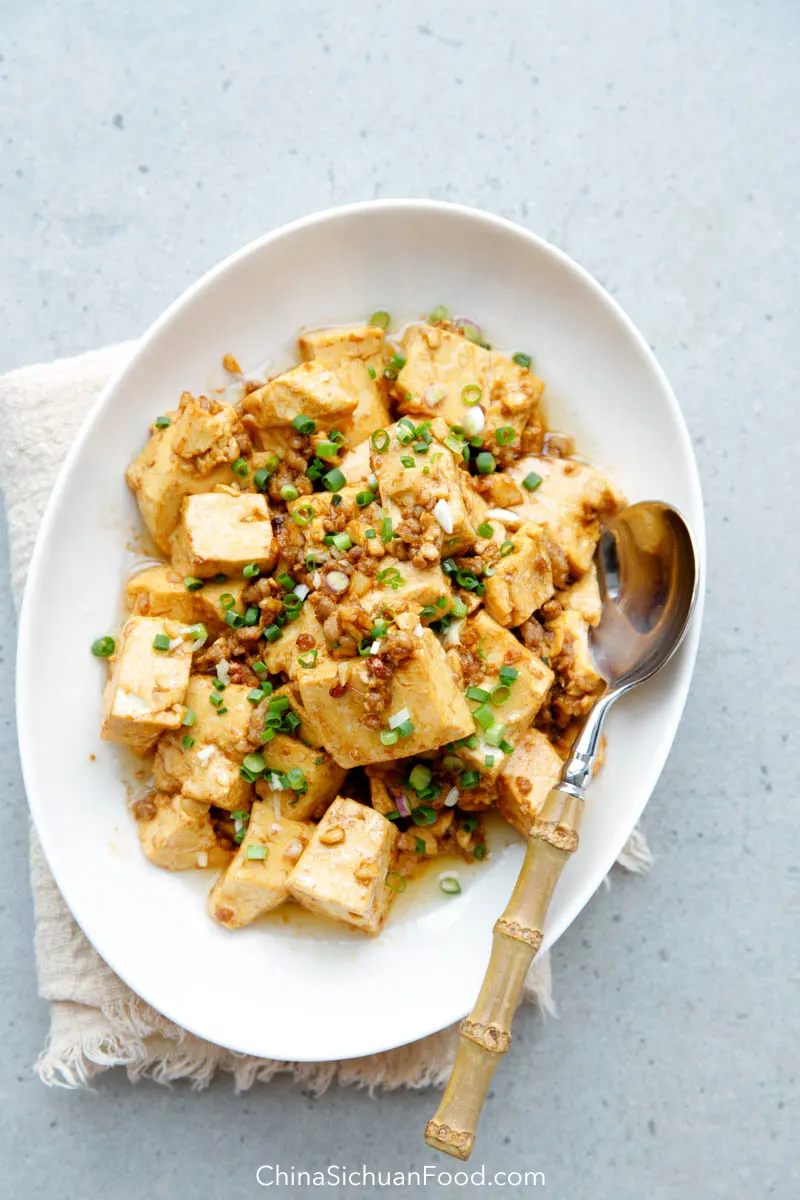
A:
367,624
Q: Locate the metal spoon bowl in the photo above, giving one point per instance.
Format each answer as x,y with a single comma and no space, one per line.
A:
647,570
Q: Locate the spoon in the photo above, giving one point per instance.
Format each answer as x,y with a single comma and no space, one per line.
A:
648,576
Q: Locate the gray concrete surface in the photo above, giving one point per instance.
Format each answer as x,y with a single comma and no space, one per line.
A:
657,143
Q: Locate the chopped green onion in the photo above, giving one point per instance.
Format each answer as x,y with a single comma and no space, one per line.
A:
296,779
227,601
285,580
261,479
505,435
260,670
479,852
406,729
466,580
386,530
485,530
334,481
162,422
251,571
240,467
316,469
469,779
289,492
370,533
453,443
303,515
531,481
506,747
255,695
234,619
308,659
272,633
304,425
389,737
439,314
494,735
219,685
476,693
450,886
256,852
469,823
508,674
472,741
220,577
192,583
187,742
365,498
407,461
326,449
104,647
380,440
522,360
458,608
371,372
279,704
484,716
396,882
397,362
380,319
420,777
252,613
161,641
420,845
342,541
506,549
189,717
471,394
215,700
485,463
423,815
500,695
254,763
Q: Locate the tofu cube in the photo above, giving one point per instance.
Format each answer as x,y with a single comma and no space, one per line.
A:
579,684
191,455
334,697
440,363
221,532
283,656
310,390
209,770
489,647
355,465
570,503
180,836
584,597
399,581
256,880
356,356
323,778
450,528
146,688
342,873
161,592
528,775
522,581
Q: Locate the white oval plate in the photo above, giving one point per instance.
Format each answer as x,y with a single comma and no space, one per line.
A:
279,989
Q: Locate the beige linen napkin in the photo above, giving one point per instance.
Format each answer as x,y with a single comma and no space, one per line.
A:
96,1021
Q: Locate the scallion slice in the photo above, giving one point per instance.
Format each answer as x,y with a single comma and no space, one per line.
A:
103,647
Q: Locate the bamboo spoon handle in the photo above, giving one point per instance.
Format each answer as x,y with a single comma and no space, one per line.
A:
486,1032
